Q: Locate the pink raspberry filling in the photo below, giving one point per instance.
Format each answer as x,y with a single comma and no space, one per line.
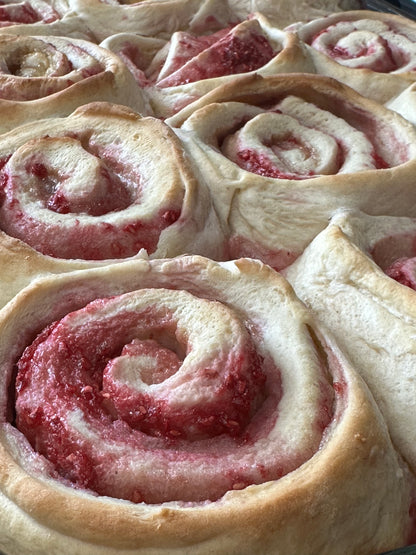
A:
23,12
261,164
375,53
227,413
88,228
403,270
209,56
102,396
99,241
67,368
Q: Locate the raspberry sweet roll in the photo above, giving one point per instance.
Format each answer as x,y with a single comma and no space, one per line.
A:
42,17
191,64
101,185
372,52
34,11
42,77
346,277
138,46
187,406
281,153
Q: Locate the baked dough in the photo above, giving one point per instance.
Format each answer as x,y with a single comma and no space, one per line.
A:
153,18
283,13
51,76
191,64
42,17
405,103
30,12
161,18
160,404
341,277
372,52
300,445
281,153
86,190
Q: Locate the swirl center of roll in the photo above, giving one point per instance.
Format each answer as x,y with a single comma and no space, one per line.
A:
45,174
367,44
296,140
168,364
158,395
32,68
29,61
82,193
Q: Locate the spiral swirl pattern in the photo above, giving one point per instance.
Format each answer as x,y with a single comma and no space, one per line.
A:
47,76
42,67
282,153
36,11
297,137
136,395
151,389
367,43
374,53
297,140
86,186
204,402
187,388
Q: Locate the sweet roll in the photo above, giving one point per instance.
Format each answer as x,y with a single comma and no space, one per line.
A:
191,64
346,276
187,406
51,76
372,52
281,153
89,189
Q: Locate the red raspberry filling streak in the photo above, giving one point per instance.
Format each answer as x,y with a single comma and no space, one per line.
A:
403,271
72,239
23,12
73,369
260,164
